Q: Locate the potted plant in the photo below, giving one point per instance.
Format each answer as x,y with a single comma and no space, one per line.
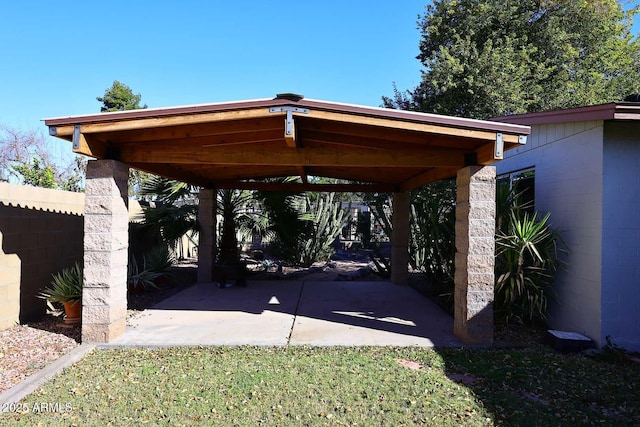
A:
66,289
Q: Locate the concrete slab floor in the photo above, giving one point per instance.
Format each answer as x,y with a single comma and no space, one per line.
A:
281,313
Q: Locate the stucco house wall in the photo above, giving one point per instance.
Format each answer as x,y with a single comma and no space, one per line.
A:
568,161
621,234
587,174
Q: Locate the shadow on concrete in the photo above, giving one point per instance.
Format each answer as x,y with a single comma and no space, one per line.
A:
307,312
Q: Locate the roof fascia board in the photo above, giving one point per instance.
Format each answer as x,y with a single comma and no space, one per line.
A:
610,111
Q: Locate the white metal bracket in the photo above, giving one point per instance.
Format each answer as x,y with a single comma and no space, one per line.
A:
522,139
499,146
289,120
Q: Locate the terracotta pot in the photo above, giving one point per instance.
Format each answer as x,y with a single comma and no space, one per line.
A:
72,311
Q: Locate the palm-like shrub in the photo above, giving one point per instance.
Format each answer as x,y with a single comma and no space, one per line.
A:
527,257
175,212
66,286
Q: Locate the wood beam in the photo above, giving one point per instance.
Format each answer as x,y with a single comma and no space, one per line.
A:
486,154
290,133
370,142
255,137
303,174
294,187
406,125
159,122
168,171
269,155
374,174
427,177
218,129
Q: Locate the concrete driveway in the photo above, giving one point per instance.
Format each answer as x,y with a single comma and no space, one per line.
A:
281,313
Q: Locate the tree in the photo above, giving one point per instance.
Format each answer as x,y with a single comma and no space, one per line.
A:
25,158
485,58
35,174
120,97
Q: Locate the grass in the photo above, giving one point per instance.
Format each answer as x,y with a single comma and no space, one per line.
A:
336,386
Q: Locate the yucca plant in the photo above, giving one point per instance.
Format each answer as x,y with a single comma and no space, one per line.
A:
527,257
159,259
66,286
139,280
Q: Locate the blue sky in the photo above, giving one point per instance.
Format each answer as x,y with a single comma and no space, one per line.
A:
59,55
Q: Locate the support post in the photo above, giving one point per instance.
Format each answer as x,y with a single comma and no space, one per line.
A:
207,250
400,239
475,255
106,244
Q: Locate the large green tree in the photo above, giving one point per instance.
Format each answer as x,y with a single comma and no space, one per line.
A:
120,97
485,58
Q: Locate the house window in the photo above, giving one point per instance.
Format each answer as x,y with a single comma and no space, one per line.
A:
523,183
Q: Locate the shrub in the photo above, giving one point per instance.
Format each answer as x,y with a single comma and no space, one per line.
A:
527,257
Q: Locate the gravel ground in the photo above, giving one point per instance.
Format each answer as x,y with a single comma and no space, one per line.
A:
25,349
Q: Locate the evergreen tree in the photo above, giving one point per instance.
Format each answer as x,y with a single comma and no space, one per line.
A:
120,97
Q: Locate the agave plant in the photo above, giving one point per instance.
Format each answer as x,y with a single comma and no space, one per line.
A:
528,255
66,286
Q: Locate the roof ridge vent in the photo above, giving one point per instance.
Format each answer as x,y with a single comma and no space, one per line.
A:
290,96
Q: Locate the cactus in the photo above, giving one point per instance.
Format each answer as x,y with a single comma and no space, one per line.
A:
325,221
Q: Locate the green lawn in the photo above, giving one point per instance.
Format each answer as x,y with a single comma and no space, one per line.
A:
249,386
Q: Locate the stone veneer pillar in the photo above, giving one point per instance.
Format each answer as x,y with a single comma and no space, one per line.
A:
475,255
207,207
106,243
400,239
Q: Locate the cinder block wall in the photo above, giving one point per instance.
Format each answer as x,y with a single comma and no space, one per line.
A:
44,229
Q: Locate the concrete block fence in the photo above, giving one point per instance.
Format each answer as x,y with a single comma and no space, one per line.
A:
40,234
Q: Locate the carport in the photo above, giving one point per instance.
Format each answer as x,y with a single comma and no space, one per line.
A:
239,144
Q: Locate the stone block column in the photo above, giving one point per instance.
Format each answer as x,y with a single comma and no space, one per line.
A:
106,243
475,255
10,266
400,239
207,207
